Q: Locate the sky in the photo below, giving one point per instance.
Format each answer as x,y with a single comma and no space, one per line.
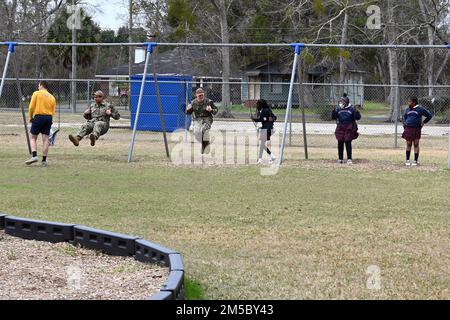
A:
110,14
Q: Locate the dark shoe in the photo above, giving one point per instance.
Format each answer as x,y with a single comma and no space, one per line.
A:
75,140
93,138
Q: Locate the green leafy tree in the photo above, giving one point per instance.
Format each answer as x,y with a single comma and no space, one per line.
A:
181,17
59,32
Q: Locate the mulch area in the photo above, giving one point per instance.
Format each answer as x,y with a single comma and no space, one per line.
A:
41,270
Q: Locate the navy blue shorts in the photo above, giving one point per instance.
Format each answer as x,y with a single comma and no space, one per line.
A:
41,124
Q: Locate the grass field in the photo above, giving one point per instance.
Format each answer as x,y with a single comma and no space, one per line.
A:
309,232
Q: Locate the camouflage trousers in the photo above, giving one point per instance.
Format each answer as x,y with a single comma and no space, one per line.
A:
98,128
201,129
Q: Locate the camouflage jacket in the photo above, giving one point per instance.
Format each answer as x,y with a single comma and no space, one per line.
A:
98,112
199,109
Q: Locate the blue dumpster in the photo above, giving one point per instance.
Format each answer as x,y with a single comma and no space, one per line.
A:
172,89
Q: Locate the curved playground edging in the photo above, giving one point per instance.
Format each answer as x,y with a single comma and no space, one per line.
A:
109,242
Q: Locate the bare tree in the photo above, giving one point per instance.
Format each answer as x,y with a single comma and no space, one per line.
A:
391,30
221,10
28,20
431,14
342,60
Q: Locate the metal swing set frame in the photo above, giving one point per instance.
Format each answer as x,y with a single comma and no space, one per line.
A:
150,46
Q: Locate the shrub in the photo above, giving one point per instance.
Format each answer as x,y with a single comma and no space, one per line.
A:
324,112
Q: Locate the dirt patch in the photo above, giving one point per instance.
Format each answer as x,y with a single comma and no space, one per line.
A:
366,165
41,270
315,164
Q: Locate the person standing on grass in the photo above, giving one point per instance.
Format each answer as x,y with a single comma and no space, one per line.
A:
41,110
412,124
347,129
267,118
202,110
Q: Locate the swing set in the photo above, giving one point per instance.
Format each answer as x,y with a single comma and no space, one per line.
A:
150,48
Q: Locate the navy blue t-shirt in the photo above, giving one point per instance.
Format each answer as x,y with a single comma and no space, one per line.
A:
346,115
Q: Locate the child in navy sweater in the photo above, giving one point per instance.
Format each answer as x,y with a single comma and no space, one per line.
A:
412,123
347,130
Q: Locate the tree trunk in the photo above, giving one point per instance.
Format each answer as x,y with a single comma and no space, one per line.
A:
394,98
40,31
225,51
342,60
12,19
429,54
442,67
381,63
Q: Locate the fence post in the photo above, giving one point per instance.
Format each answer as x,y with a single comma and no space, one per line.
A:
448,151
396,114
186,101
448,157
160,108
301,104
290,129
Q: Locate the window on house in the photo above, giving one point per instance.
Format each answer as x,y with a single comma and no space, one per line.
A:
276,85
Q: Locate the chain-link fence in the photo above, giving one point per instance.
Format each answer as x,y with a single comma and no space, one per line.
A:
255,73
380,126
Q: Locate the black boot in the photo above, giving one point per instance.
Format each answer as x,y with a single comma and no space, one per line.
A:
93,139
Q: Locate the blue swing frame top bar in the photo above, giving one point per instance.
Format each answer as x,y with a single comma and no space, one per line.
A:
11,45
151,45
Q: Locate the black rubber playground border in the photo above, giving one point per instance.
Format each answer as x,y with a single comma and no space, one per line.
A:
111,243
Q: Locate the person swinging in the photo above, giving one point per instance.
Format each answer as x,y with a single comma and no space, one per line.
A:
264,115
97,115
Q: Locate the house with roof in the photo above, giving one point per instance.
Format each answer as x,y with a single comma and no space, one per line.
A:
324,83
198,63
270,81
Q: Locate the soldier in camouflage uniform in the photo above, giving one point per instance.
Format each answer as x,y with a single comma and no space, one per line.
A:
98,115
202,110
